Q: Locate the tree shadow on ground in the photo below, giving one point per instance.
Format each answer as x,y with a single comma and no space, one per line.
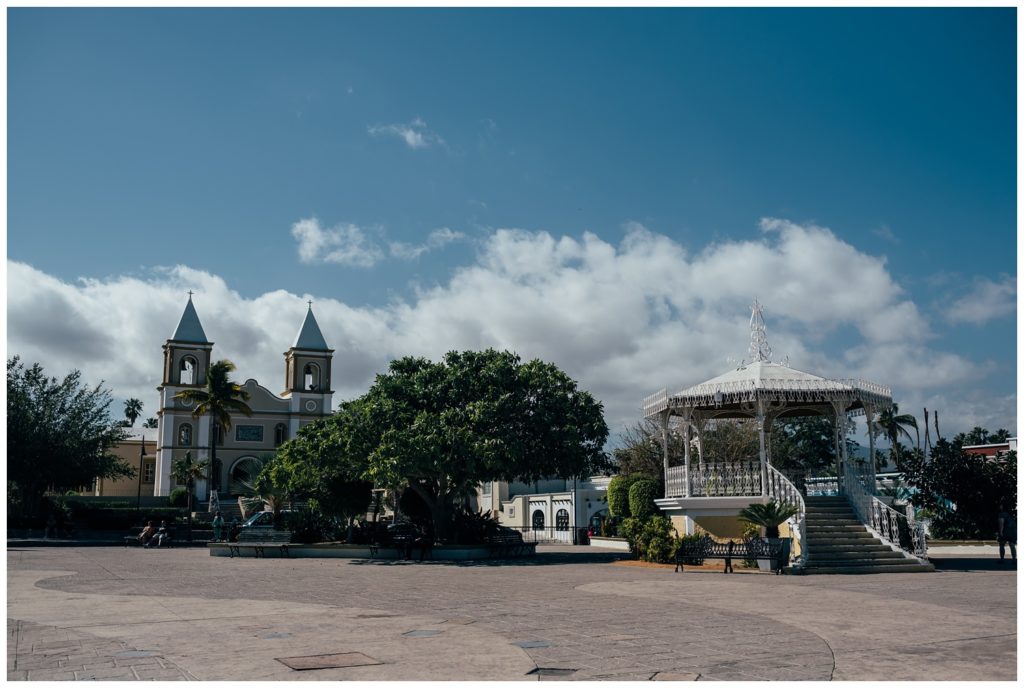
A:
540,559
973,564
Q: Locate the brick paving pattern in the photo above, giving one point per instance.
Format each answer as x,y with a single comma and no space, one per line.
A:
568,614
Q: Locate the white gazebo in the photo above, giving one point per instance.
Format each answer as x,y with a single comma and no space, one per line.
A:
763,391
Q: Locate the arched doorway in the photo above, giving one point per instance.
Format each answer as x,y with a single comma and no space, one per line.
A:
538,519
243,474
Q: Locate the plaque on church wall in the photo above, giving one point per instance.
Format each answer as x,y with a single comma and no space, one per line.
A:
248,433
310,405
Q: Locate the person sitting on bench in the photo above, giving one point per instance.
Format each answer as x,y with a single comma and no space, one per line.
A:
162,534
147,534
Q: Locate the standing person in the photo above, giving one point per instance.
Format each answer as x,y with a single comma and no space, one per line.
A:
51,527
1007,532
218,524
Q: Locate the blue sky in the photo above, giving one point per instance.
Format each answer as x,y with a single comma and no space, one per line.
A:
396,166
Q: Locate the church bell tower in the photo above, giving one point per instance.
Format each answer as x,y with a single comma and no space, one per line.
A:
308,374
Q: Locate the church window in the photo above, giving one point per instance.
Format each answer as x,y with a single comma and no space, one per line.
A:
248,433
185,435
187,372
311,377
280,434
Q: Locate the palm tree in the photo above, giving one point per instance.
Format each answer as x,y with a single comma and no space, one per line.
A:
770,516
150,423
188,472
891,424
218,399
132,410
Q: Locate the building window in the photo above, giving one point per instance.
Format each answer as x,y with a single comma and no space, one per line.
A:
311,377
187,372
562,520
185,435
280,434
248,433
148,472
486,489
538,520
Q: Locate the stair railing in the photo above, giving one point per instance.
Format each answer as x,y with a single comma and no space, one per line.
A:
883,519
784,491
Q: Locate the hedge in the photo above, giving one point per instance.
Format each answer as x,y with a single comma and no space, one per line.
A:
642,494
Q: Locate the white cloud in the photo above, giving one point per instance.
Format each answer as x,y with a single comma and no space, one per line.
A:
415,134
438,238
986,301
344,244
623,319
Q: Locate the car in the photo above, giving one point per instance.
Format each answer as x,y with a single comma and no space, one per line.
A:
263,519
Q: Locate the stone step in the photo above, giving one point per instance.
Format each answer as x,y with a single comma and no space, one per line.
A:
819,557
828,520
849,546
824,529
843,540
915,567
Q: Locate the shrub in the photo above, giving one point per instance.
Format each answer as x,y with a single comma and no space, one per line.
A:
650,539
642,494
618,495
178,497
309,525
473,528
770,516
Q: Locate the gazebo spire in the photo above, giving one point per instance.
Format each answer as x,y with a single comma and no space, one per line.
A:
759,349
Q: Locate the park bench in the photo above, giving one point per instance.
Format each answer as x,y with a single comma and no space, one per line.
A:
508,543
751,548
259,540
403,537
130,540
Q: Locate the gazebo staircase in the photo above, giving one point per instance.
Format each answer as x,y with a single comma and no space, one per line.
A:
839,543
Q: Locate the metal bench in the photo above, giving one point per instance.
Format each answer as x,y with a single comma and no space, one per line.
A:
258,540
509,543
752,548
130,540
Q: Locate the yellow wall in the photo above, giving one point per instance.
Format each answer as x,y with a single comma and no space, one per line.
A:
128,452
679,523
721,526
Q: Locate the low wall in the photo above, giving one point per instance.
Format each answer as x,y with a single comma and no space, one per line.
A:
329,550
609,543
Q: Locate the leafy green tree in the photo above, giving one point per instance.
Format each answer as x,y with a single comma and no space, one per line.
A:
962,491
642,494
892,425
443,428
186,472
312,466
218,399
806,445
618,494
730,440
980,435
132,410
642,452
59,435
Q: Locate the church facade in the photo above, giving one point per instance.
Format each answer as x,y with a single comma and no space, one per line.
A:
243,448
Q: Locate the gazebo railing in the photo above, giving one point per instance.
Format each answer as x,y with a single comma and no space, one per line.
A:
784,491
675,481
894,528
725,479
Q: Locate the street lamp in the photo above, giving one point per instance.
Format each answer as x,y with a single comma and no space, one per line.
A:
142,457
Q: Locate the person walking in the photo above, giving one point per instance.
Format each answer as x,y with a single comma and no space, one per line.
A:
1007,532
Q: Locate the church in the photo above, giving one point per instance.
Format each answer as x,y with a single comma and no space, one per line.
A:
275,418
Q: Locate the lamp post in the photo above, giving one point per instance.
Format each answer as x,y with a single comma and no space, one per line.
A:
142,458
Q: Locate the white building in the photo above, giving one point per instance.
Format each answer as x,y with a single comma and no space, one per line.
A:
547,510
306,397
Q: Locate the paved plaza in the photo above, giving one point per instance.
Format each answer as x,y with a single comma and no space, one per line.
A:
110,613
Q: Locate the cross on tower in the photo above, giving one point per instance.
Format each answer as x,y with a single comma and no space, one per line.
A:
190,292
310,304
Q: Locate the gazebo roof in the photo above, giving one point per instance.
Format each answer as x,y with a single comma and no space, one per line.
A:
764,380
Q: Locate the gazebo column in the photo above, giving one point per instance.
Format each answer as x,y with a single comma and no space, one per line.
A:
761,447
687,425
869,414
664,441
